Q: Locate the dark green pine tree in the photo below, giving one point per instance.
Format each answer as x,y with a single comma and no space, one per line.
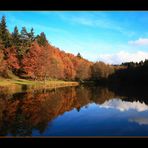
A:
31,35
79,55
27,37
5,36
41,39
16,37
24,35
24,43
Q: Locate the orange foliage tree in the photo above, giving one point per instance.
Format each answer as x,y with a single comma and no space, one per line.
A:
11,59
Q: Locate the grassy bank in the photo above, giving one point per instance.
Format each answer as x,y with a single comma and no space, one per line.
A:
18,85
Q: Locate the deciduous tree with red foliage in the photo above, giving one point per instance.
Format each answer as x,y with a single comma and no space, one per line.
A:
11,59
3,65
30,62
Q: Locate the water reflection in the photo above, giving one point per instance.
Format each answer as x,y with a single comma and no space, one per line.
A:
140,121
125,106
25,113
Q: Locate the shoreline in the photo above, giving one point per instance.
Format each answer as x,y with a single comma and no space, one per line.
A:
22,85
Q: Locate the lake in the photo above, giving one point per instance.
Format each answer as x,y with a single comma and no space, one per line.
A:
75,111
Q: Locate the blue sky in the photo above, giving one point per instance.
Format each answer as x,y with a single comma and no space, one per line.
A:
110,36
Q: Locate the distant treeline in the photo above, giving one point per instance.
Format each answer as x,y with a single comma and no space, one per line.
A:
134,73
33,57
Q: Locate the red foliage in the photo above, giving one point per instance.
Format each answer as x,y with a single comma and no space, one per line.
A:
31,61
47,62
11,58
41,63
3,65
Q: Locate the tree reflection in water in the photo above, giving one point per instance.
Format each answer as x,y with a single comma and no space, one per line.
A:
20,113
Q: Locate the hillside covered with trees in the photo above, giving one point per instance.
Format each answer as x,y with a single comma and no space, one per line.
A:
33,57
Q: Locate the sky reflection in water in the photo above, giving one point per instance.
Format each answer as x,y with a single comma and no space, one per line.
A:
74,111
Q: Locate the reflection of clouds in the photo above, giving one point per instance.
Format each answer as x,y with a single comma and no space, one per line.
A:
124,105
140,121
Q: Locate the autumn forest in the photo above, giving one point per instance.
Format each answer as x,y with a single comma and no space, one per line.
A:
34,58
73,74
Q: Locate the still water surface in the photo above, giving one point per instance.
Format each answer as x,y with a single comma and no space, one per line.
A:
73,111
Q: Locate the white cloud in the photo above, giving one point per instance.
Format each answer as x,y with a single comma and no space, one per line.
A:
139,42
140,121
124,105
123,56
